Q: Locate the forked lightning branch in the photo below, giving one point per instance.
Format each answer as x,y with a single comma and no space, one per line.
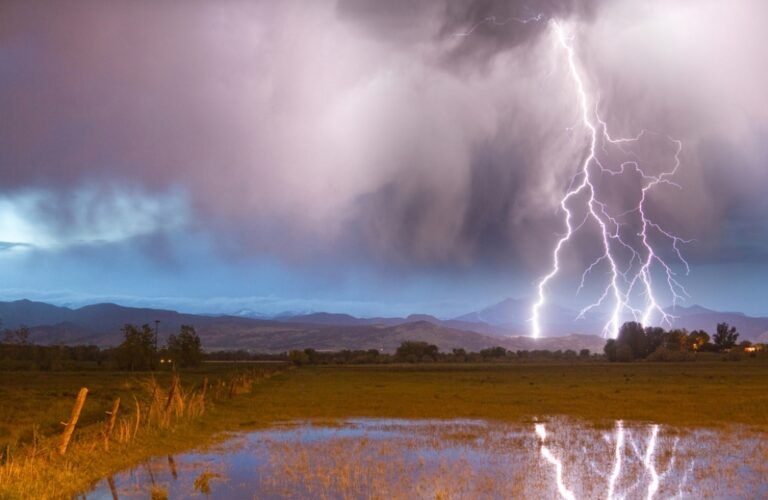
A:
632,244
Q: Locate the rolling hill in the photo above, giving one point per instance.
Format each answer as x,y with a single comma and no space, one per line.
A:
700,318
498,325
509,316
100,324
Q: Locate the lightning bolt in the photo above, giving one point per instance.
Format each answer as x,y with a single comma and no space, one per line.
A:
636,277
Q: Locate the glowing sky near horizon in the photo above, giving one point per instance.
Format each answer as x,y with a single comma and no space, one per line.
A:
343,156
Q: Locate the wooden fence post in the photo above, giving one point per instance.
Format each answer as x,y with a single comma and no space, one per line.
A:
205,388
138,416
202,394
69,427
172,392
111,422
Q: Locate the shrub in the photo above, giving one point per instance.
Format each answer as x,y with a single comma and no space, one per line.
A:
298,358
664,353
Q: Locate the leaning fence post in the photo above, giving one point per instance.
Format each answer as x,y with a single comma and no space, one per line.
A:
111,422
205,388
69,427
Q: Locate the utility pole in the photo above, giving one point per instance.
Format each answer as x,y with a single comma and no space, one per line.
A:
157,328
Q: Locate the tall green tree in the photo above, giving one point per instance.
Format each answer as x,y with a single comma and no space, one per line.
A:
610,350
138,351
185,349
726,336
655,337
632,341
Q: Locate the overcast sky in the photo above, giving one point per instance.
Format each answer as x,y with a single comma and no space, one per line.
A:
364,156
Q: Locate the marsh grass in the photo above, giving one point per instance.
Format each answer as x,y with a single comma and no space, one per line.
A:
159,418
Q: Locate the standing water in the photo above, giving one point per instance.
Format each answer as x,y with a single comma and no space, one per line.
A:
559,458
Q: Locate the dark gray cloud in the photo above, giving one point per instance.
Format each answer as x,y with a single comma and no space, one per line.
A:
476,30
369,130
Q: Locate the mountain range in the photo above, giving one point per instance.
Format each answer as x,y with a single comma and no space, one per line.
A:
503,324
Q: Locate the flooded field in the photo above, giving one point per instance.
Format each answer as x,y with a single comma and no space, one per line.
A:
557,458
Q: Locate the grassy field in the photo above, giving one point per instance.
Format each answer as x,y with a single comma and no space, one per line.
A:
36,402
683,394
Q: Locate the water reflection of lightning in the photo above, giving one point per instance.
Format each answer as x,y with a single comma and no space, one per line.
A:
617,484
541,432
617,459
635,277
649,462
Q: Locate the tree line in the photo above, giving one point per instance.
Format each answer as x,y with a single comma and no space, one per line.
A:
138,351
635,342
424,352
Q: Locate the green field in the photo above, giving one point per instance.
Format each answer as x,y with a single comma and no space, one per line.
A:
694,394
683,394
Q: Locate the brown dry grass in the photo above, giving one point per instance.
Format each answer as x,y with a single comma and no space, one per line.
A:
154,417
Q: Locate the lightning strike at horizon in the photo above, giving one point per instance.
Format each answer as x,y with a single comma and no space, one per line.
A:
636,277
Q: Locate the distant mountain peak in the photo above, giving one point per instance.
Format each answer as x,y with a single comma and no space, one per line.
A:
694,309
421,317
515,313
697,309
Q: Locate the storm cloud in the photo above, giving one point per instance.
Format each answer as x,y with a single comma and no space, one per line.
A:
404,135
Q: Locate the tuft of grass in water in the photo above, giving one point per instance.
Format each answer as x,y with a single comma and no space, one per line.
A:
203,481
158,493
